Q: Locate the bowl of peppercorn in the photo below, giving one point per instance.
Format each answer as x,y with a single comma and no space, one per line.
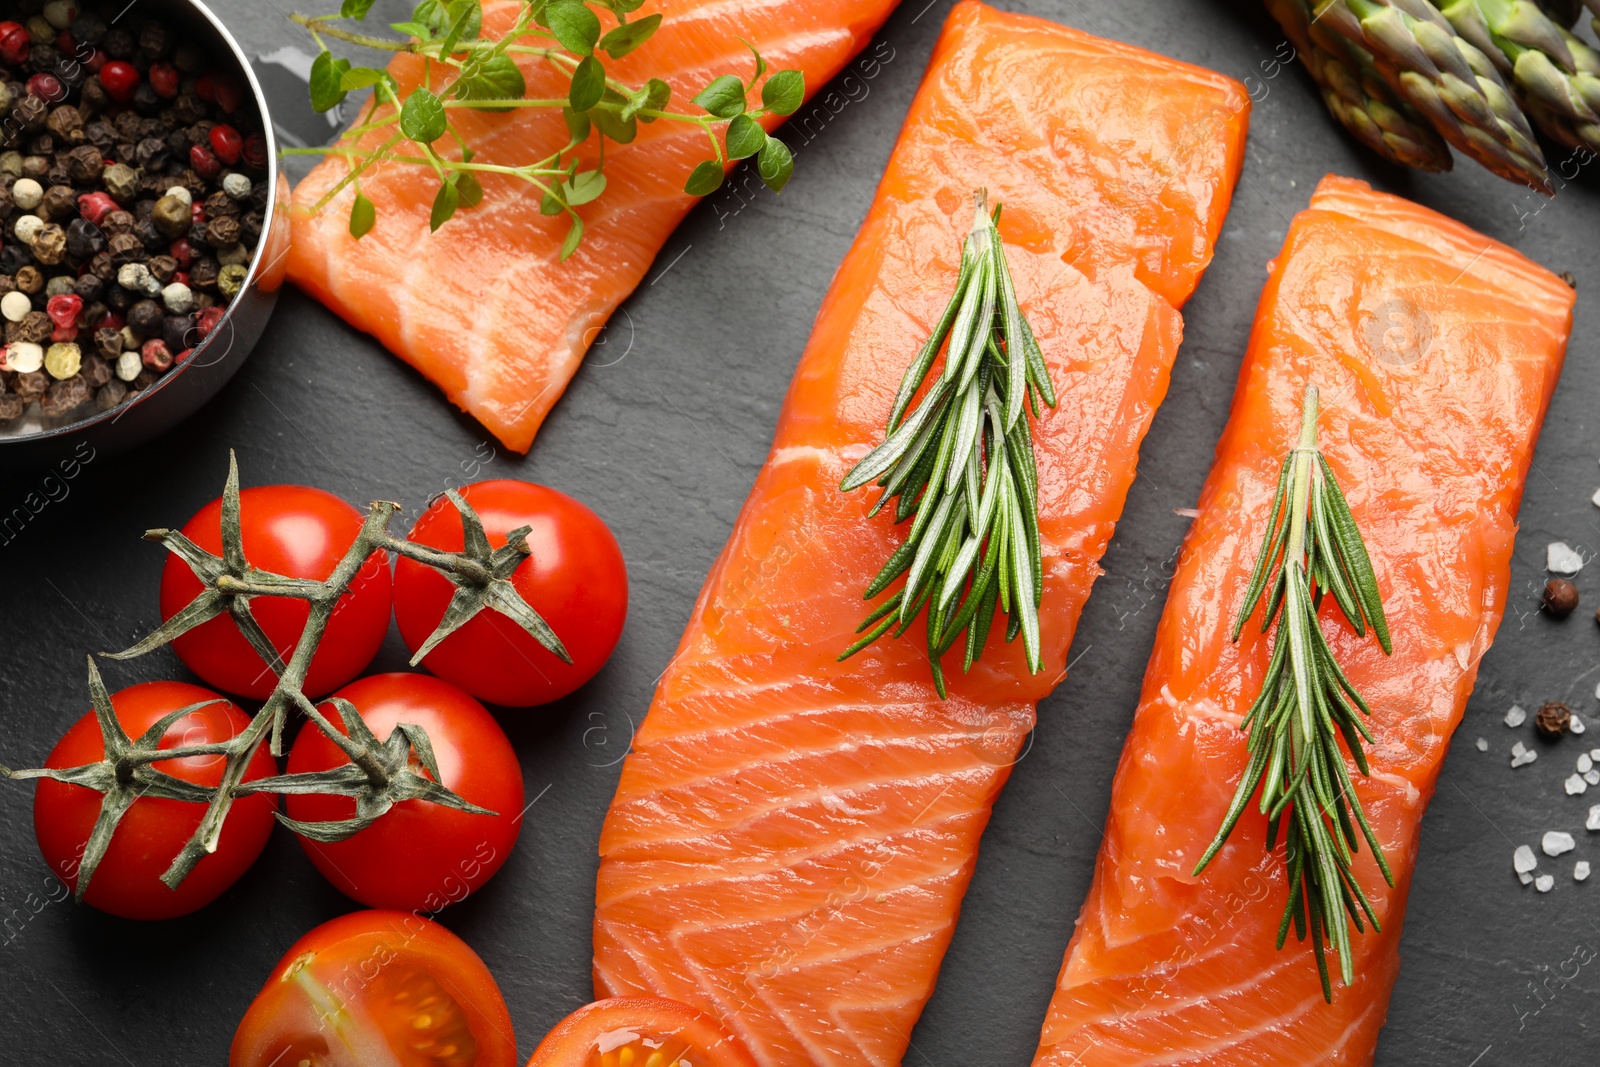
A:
142,225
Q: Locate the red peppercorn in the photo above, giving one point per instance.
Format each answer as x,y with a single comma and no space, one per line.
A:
204,163
112,321
181,356
197,212
226,143
255,151
207,320
119,79
64,309
46,87
15,43
155,354
182,251
164,79
65,43
205,87
229,96
96,206
95,60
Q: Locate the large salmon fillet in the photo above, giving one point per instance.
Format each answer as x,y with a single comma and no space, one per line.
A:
1435,350
484,307
791,836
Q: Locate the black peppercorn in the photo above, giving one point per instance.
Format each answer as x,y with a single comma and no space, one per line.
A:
14,257
102,267
89,27
110,394
220,205
163,267
31,385
223,232
203,272
35,167
125,248
1553,719
108,343
96,371
115,222
151,153
89,287
118,298
1560,598
175,331
154,40
83,239
145,317
102,136
60,203
118,43
66,124
147,231
84,163
64,396
95,98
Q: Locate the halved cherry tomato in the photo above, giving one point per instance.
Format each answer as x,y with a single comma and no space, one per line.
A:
377,989
298,532
154,830
639,1032
575,578
418,856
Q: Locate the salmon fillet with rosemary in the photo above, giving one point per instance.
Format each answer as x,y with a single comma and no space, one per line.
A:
484,307
792,835
1435,350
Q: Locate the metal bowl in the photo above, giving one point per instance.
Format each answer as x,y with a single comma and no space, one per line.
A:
187,385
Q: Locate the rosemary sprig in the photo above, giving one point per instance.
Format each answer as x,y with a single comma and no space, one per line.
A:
482,75
1312,549
961,467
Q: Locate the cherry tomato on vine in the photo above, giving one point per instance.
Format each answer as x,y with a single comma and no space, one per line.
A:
298,532
377,988
642,1032
418,856
575,578
154,829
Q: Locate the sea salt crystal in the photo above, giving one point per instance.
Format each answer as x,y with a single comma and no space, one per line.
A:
1580,871
1559,558
1575,785
1483,745
1556,842
1524,877
1523,859
1585,763
1596,498
1576,725
1593,822
1521,755
1516,716
1592,777
1544,883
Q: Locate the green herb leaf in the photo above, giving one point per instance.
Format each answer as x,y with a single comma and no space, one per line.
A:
724,97
588,84
355,9
459,15
444,205
327,81
412,29
784,92
441,17
574,25
550,204
611,123
761,64
630,35
493,78
363,216
651,96
705,178
584,187
362,77
775,164
570,244
577,124
745,137
470,188
422,116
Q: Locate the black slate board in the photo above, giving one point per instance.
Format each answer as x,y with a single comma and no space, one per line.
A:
662,433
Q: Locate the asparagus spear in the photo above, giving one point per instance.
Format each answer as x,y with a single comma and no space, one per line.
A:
1357,96
1445,77
1555,75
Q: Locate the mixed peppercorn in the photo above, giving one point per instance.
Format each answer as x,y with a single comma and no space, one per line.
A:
132,196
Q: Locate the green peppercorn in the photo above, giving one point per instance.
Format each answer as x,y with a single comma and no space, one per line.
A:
231,279
121,181
171,216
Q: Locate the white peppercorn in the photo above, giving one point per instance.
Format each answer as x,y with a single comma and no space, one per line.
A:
178,298
26,193
24,357
15,306
63,360
27,227
129,365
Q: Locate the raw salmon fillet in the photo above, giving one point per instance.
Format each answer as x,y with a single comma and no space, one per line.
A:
791,837
1435,350
484,307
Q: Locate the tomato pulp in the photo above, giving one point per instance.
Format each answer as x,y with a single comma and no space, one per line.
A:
377,989
417,856
298,532
154,829
639,1032
574,577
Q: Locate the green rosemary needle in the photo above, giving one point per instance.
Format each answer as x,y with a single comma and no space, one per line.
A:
961,468
1312,549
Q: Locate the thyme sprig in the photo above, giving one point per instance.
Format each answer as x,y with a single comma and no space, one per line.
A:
482,74
1312,550
379,774
961,467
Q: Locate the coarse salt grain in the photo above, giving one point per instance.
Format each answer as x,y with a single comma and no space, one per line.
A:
1516,716
1523,859
1580,871
1483,745
1544,883
1576,725
1524,877
1522,759
1592,777
1596,498
1593,822
1560,558
1575,785
1585,763
1557,842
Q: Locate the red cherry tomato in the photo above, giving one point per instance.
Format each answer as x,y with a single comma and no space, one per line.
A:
639,1031
377,987
155,829
575,578
301,533
418,856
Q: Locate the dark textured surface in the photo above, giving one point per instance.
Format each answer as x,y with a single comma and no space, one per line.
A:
662,434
